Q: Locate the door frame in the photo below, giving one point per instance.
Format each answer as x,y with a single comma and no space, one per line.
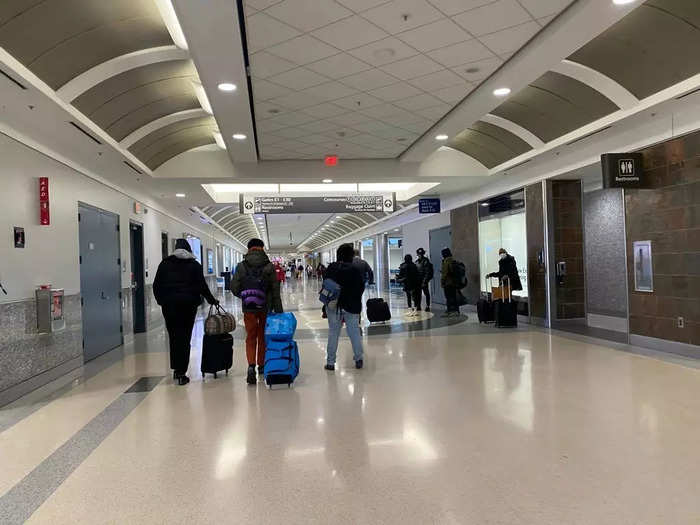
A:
438,271
143,265
82,204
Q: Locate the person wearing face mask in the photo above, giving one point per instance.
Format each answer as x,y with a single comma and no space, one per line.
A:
507,267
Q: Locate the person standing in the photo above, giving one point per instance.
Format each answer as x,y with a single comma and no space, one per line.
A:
178,288
364,267
410,279
426,274
507,267
256,284
349,306
448,281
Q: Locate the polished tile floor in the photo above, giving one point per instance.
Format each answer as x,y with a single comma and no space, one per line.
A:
449,423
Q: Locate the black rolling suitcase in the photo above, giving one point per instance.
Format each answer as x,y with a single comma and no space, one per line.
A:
506,310
217,353
484,306
378,310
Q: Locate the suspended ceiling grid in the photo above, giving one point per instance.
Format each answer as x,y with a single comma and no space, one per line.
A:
362,80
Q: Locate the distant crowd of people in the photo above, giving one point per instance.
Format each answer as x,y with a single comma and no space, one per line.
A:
179,286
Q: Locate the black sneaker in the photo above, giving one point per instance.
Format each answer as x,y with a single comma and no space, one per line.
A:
329,367
427,308
359,364
183,380
251,379
261,370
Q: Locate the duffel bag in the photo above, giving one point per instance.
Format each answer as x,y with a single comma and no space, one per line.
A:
219,321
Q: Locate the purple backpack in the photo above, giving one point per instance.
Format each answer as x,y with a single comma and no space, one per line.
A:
254,290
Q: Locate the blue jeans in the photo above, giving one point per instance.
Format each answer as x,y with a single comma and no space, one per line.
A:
352,325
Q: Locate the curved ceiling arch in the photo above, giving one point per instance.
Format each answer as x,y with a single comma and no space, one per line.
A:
603,84
489,144
159,123
116,66
526,135
71,37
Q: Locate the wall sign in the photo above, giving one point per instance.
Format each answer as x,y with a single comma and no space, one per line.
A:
623,170
429,205
44,215
643,267
354,203
19,237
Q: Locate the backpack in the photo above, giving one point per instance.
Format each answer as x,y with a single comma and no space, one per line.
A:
253,289
460,272
330,292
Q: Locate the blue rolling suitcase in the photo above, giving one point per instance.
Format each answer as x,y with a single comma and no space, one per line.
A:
280,327
281,363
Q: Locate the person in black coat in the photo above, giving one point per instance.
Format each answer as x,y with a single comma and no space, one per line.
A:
409,277
178,288
507,267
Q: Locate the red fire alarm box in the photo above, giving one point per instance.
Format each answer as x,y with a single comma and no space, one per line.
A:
331,160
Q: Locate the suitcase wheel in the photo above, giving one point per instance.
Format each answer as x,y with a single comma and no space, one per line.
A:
214,375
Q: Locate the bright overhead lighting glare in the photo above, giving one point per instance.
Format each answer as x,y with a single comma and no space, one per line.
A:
180,195
219,139
202,96
327,181
167,13
317,188
623,2
227,87
501,92
441,137
239,136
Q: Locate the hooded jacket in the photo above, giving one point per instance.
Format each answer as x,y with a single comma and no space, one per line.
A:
257,258
180,280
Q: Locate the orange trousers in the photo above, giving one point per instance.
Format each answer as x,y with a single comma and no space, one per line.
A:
255,337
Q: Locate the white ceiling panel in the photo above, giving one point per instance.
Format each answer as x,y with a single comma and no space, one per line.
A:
478,71
296,100
358,101
435,112
511,39
454,94
371,79
438,34
413,67
264,31
349,119
435,81
401,15
350,32
318,126
453,7
331,91
384,51
361,5
461,53
325,110
263,65
543,8
299,78
262,4
307,15
265,90
493,17
418,102
395,92
339,66
302,50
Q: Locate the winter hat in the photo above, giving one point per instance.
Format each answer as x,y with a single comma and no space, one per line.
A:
182,244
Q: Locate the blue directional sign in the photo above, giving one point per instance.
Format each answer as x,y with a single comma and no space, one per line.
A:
429,205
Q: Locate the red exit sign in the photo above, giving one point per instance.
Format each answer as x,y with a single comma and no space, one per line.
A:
331,160
44,215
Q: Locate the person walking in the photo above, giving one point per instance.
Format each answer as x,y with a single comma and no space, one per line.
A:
410,279
256,284
426,273
178,288
448,281
349,306
508,267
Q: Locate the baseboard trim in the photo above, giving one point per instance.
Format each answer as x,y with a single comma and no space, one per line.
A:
63,373
608,322
662,345
538,321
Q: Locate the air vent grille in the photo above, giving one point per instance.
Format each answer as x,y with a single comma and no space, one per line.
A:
606,128
88,135
13,80
134,168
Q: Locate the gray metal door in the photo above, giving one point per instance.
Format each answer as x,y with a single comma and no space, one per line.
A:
439,239
100,281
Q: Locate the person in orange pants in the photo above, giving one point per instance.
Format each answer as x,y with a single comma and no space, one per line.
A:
256,284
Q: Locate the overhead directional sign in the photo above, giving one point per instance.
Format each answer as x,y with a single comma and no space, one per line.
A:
354,203
429,205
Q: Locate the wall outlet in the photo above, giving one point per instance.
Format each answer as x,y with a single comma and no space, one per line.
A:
681,322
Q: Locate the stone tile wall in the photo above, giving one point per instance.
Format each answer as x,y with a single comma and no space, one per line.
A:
669,216
465,246
536,272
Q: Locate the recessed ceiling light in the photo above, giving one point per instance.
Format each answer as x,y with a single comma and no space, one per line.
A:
181,195
441,137
239,136
623,2
227,86
472,70
501,92
327,181
384,54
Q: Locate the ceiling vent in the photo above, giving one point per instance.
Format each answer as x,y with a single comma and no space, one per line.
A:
134,168
13,80
688,94
88,135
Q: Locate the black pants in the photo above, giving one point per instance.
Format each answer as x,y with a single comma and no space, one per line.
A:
424,289
451,298
179,320
413,297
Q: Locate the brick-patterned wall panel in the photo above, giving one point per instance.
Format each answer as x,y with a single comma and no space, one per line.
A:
669,216
465,246
536,273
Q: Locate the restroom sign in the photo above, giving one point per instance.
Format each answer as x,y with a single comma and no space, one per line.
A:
623,170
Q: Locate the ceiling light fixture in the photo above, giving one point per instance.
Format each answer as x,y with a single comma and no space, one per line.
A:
501,92
441,137
239,136
623,2
227,87
327,181
180,195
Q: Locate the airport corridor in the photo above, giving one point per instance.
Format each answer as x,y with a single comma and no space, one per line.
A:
449,422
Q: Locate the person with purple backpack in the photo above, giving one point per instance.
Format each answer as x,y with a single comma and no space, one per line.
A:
256,285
